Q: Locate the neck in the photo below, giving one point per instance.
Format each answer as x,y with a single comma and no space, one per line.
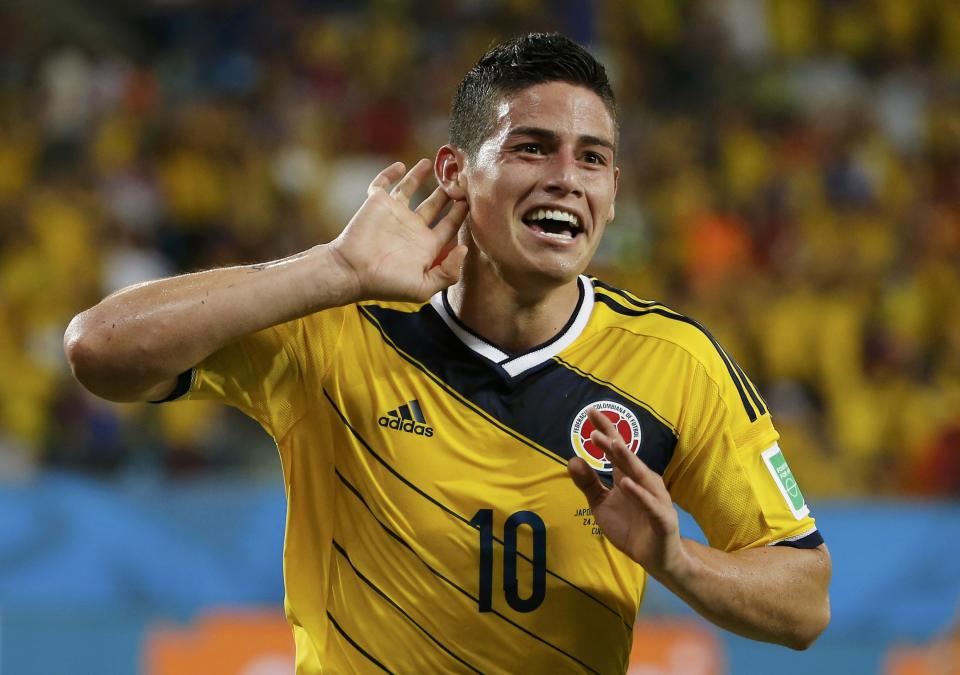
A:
512,318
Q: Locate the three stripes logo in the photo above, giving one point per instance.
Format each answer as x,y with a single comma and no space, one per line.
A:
407,417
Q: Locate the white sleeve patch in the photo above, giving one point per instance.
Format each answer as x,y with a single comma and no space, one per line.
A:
786,483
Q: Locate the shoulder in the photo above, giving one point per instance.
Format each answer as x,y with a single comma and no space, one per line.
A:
677,343
621,310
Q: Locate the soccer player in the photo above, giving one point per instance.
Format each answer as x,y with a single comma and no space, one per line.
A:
430,414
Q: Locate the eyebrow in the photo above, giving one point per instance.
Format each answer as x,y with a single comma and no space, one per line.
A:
548,135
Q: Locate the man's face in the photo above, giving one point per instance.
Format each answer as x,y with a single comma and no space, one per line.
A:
542,185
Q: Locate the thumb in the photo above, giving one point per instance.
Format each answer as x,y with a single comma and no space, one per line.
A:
447,272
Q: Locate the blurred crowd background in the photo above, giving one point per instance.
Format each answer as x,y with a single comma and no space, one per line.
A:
790,178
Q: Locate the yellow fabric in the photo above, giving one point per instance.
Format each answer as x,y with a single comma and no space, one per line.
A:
717,473
383,537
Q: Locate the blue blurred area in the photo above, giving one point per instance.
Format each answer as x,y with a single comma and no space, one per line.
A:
895,575
74,542
96,562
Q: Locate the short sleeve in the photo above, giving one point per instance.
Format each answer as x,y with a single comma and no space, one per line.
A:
265,374
729,472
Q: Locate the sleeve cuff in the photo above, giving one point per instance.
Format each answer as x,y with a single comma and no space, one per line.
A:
810,539
184,380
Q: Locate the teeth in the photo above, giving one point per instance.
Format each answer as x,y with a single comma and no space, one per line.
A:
554,214
558,235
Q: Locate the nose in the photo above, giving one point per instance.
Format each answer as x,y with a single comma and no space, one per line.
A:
562,177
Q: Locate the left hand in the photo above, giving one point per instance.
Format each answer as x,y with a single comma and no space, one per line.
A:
636,514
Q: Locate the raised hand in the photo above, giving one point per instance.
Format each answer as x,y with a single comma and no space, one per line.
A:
390,249
636,514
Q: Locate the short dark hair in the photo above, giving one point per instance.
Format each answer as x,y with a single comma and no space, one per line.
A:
512,66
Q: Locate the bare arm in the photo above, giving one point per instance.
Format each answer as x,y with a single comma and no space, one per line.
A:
774,593
133,344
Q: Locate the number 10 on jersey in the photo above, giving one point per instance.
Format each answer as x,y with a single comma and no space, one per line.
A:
483,521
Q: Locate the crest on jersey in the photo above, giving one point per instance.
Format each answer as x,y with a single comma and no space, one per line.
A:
623,419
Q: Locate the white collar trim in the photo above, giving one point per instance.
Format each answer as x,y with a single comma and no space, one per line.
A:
515,365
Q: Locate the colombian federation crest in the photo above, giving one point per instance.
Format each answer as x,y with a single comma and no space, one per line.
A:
623,419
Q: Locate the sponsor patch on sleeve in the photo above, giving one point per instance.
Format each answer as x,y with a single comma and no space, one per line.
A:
786,483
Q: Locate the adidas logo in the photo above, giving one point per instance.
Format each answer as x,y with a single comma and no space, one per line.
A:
407,417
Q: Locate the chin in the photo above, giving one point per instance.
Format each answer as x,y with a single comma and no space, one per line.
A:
555,272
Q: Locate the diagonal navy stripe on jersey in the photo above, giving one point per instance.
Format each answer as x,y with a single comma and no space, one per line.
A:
537,408
354,644
343,552
448,510
591,376
629,311
455,394
451,583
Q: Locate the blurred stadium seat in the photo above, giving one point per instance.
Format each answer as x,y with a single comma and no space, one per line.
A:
794,188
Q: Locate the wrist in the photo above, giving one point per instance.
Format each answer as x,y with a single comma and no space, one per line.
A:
333,277
680,568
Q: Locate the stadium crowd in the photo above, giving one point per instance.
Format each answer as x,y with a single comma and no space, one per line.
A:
790,178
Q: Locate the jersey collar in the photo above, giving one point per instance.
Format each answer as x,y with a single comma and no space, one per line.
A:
517,364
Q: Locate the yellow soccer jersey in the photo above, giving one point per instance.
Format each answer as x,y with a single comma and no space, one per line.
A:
431,523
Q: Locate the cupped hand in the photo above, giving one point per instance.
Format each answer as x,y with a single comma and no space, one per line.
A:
390,249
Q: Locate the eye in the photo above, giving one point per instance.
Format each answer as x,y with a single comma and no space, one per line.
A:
594,158
530,148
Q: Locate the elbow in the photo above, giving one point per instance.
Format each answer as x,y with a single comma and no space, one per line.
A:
110,362
810,630
87,346
815,616
83,349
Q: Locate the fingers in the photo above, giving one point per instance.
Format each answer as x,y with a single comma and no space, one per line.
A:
432,205
659,514
409,184
586,479
386,178
447,272
625,463
450,224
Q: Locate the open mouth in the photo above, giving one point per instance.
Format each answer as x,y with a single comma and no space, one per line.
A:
553,223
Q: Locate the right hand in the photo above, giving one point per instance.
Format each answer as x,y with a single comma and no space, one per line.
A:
390,249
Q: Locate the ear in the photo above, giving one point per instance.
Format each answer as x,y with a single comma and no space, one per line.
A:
616,186
448,168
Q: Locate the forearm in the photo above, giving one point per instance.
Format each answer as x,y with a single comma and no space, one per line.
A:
775,594
134,343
